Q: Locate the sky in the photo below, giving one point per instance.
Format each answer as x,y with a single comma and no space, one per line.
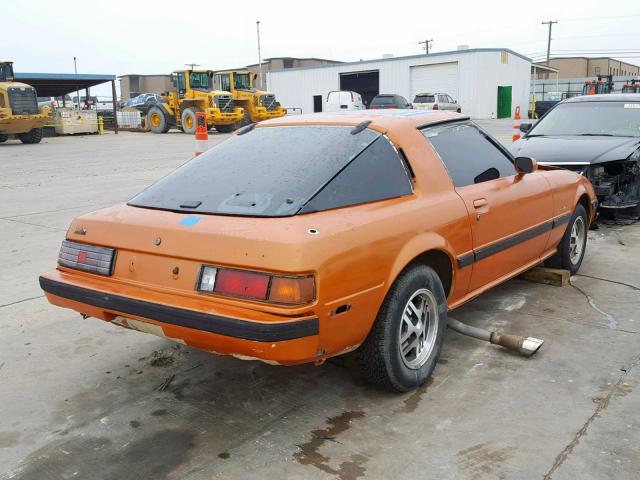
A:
150,37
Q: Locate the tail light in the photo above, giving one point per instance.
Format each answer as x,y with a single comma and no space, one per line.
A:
287,290
89,258
435,106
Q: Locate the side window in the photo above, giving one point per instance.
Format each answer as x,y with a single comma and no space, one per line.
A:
449,99
468,154
377,173
442,99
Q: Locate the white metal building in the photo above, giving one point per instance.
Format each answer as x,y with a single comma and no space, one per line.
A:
473,77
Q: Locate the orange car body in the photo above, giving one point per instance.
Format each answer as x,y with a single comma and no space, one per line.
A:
475,237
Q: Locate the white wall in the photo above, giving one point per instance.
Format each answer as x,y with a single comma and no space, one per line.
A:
479,74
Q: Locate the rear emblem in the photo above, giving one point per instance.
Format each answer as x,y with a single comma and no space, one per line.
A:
158,241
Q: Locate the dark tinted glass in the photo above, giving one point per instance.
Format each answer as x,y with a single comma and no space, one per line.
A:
269,171
467,152
376,174
424,99
386,100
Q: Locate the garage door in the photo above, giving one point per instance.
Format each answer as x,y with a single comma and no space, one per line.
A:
438,78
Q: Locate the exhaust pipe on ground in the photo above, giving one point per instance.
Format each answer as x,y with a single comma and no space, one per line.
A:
526,346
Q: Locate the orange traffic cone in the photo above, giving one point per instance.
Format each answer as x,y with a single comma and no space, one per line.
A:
202,133
516,125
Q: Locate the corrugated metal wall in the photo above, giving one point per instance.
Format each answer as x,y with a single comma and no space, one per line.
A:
480,72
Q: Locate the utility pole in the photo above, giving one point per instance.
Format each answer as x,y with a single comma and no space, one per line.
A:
427,45
75,69
259,56
550,23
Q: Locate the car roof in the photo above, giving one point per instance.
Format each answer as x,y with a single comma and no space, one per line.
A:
609,97
380,119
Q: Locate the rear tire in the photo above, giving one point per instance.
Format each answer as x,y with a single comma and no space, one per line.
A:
32,136
227,128
404,344
158,120
459,110
3,137
573,245
189,121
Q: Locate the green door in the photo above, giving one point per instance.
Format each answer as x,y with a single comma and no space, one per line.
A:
504,102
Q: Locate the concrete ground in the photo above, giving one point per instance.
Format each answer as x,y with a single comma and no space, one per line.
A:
88,400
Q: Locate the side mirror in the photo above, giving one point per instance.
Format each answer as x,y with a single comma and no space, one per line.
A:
525,127
525,165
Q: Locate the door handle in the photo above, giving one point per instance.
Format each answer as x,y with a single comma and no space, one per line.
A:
480,202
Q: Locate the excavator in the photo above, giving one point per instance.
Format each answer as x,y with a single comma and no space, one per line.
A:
258,105
19,112
191,93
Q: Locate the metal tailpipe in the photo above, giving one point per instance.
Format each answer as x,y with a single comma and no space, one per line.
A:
526,346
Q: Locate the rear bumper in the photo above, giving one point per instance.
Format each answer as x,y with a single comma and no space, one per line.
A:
289,341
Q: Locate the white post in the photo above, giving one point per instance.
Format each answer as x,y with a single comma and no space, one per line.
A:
75,69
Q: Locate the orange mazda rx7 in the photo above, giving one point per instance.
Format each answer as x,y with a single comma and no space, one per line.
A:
306,237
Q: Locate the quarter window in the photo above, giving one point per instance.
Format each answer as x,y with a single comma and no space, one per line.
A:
467,153
377,173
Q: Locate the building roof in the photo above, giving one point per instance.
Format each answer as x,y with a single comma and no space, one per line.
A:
593,58
58,84
392,59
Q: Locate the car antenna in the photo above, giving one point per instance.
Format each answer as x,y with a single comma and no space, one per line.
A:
360,127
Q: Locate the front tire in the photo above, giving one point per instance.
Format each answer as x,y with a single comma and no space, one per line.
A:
573,245
3,137
189,121
32,136
405,342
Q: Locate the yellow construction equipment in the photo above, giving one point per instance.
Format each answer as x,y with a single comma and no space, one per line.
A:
191,93
258,105
19,112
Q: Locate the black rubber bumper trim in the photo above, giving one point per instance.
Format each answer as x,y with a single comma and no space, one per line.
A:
230,327
479,254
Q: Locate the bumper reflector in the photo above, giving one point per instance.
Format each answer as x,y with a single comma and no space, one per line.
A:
89,258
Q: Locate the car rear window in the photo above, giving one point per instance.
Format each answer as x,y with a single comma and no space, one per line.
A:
389,100
424,99
269,171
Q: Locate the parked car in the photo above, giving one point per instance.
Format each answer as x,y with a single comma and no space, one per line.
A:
597,136
338,100
306,237
435,101
389,101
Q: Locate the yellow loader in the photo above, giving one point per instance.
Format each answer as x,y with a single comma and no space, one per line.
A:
19,112
191,93
258,105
